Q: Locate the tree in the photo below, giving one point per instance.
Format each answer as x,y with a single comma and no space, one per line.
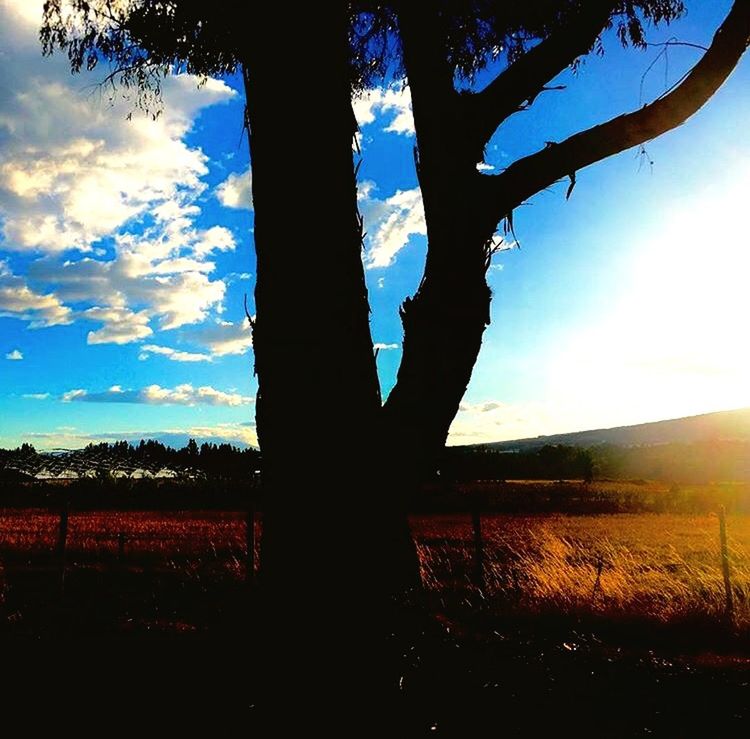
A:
348,550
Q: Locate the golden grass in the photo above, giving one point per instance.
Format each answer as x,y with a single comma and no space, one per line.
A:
665,568
658,567
195,544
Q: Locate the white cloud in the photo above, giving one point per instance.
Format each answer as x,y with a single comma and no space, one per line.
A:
175,355
18,300
233,432
36,396
216,238
223,337
386,347
236,191
144,281
72,167
492,420
395,100
74,170
231,277
14,356
121,326
389,223
73,395
185,394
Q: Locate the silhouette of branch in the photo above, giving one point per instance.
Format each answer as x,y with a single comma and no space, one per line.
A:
529,175
523,80
676,42
665,46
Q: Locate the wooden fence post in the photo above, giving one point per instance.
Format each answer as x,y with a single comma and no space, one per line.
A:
598,581
62,540
476,523
725,564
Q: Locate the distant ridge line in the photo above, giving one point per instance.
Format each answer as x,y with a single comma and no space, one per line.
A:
729,425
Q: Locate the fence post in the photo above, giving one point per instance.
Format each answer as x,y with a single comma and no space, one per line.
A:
476,524
598,581
725,564
62,540
250,544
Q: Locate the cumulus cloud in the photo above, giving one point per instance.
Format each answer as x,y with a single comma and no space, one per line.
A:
120,326
72,167
18,300
394,100
14,356
236,191
389,223
74,170
173,291
156,395
175,355
223,337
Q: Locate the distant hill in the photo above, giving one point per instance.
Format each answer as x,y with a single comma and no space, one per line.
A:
721,426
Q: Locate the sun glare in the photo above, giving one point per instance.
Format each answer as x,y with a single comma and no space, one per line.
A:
675,340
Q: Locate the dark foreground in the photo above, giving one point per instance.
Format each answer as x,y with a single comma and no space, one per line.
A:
514,683
166,626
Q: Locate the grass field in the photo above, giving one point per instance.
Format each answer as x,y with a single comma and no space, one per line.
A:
154,569
641,653
662,568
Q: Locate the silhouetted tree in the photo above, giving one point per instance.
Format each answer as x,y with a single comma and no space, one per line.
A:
345,551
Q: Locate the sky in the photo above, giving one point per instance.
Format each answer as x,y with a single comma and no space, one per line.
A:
126,253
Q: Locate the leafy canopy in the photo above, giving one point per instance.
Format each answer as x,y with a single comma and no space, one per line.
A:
144,40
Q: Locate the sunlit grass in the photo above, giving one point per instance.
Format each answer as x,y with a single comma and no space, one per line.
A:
664,568
649,568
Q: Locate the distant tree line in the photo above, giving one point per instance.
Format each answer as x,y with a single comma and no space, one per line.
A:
695,463
546,463
223,460
690,463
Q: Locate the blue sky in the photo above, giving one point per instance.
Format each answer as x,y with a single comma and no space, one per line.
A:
126,250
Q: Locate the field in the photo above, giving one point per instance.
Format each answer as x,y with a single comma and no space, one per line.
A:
569,610
658,569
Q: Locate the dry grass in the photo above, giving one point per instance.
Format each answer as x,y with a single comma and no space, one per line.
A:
661,568
186,541
664,568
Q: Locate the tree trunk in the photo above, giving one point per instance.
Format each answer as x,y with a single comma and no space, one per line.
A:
445,321
328,568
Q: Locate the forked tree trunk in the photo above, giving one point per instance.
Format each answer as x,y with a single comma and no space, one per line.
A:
334,544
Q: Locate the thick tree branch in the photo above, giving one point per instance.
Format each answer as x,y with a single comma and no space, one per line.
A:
531,174
433,94
523,80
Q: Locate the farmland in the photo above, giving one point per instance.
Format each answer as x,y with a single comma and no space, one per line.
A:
660,569
570,609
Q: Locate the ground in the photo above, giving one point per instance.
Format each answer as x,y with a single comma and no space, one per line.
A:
605,625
